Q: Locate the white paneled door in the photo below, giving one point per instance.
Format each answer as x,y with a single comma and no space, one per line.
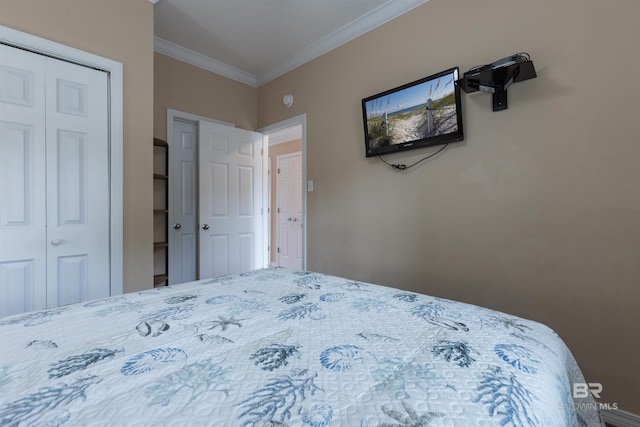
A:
231,198
54,182
289,214
183,228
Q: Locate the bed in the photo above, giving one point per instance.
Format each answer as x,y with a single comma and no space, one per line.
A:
277,347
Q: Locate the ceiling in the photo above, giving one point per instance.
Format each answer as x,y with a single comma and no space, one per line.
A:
256,41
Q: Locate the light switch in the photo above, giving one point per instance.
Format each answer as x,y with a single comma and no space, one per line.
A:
310,185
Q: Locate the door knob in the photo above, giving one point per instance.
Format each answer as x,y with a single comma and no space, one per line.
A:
205,227
56,242
177,226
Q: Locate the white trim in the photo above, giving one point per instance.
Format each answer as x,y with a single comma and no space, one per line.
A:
384,13
285,135
294,121
620,418
199,60
267,218
266,201
42,46
175,114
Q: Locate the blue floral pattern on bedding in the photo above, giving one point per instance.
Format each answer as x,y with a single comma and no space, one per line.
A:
276,347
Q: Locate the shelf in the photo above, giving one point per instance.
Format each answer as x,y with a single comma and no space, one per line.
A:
161,212
160,142
157,279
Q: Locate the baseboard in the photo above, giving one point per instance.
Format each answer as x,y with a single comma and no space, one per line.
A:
619,418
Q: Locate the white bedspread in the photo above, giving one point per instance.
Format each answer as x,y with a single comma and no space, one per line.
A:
283,348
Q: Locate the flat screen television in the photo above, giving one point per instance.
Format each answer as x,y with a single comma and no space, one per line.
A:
418,114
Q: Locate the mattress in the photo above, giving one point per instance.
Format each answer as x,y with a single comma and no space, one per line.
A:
275,347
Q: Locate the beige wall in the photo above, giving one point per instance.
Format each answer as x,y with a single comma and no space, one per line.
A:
121,30
536,213
275,151
183,87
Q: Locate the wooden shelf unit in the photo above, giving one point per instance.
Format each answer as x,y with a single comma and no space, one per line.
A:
161,213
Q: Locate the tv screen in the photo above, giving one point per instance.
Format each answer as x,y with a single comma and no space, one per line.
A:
418,114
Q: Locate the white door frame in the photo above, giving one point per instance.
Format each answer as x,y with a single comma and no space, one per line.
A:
295,121
113,69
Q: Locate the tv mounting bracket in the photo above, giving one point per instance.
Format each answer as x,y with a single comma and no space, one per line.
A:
497,77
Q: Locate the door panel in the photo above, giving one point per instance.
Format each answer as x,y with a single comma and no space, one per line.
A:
22,182
218,257
246,189
246,253
18,288
72,169
18,84
218,183
189,257
187,199
16,164
230,164
183,212
72,272
77,176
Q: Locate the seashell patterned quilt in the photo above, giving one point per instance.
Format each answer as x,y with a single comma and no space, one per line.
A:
276,347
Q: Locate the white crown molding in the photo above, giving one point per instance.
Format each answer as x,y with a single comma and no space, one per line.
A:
199,60
154,1
384,13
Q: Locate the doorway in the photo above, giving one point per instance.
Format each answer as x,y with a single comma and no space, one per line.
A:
217,198
285,158
184,197
288,230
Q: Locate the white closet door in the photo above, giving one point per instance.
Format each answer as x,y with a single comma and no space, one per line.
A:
230,183
54,182
77,184
22,182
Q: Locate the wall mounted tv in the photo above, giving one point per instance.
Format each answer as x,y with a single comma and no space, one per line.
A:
418,114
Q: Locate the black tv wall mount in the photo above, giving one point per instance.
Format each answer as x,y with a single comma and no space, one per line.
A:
498,76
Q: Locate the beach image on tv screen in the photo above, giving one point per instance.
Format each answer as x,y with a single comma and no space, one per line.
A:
417,112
